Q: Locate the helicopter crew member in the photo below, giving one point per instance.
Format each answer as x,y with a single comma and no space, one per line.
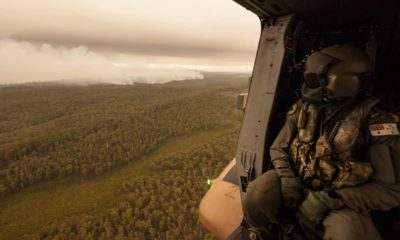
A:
336,158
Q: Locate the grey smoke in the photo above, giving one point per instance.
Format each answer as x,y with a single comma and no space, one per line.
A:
22,61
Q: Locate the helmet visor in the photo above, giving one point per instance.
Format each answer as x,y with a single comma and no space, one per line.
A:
317,65
312,80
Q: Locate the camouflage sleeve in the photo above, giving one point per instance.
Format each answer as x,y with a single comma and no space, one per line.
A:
383,191
280,147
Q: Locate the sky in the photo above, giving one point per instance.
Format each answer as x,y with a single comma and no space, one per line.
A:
124,41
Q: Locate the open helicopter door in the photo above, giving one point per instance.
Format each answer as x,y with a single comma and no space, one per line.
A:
271,91
225,193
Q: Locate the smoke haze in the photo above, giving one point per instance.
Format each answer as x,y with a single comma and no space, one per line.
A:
123,40
22,62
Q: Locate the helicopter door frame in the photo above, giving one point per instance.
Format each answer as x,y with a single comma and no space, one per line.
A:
271,54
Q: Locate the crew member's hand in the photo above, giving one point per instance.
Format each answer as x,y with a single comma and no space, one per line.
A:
291,190
315,207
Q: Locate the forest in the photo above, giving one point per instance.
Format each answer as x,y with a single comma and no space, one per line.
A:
161,206
53,134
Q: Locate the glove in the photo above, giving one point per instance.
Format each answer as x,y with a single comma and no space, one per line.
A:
291,187
291,190
315,207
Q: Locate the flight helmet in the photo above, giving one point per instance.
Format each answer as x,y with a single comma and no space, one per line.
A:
336,74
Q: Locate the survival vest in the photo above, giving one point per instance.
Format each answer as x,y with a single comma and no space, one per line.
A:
325,161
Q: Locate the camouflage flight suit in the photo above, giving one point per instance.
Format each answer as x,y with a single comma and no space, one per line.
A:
353,150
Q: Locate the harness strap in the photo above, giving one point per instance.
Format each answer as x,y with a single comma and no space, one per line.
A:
334,131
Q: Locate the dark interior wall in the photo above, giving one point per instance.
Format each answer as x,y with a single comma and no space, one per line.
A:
385,27
334,13
387,84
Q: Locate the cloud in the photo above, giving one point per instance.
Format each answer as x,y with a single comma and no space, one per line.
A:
22,61
213,29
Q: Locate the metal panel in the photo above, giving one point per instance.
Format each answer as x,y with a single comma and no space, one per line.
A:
266,8
319,13
253,7
267,70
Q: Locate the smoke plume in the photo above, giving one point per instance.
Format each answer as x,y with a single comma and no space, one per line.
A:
23,61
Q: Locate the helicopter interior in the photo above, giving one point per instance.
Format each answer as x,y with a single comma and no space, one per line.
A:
381,41
290,31
381,44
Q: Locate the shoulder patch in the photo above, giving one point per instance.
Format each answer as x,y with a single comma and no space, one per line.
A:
384,129
292,109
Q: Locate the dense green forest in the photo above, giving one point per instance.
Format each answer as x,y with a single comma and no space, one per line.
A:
54,132
89,141
161,206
